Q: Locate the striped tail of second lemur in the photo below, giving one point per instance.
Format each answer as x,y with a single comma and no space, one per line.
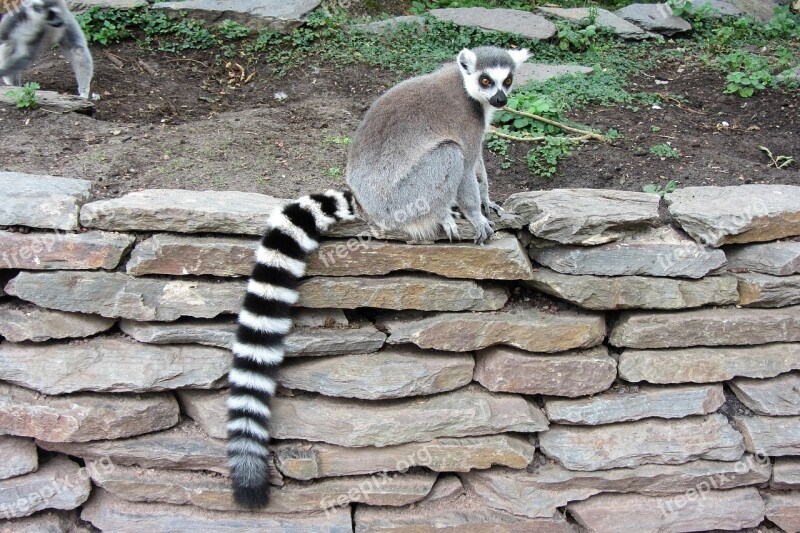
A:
264,321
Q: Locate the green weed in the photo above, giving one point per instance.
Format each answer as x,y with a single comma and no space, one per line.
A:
543,160
25,96
669,187
665,151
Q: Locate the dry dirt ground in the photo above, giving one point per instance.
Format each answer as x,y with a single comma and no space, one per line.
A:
168,121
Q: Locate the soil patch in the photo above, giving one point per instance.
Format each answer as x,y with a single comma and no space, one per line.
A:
168,121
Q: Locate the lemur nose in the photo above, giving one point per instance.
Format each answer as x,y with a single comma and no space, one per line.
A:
498,100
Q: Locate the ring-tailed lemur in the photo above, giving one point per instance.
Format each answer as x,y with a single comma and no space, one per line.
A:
36,26
418,151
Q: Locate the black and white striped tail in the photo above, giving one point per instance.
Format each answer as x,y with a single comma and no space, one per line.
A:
264,321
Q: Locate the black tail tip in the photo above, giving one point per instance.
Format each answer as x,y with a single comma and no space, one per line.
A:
251,497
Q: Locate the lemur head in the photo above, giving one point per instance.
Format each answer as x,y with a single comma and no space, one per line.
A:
49,11
488,72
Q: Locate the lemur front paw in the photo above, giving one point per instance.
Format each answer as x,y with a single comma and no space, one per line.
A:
483,229
494,207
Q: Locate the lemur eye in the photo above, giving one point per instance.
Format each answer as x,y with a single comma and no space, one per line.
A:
485,81
507,81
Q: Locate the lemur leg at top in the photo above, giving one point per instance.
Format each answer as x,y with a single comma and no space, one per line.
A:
468,200
483,185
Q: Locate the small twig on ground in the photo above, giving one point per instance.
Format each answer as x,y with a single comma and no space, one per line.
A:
147,67
587,134
677,103
115,60
188,59
494,131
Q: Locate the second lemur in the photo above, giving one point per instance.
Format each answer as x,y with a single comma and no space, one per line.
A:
416,154
35,27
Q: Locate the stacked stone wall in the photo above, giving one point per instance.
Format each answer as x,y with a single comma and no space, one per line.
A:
610,361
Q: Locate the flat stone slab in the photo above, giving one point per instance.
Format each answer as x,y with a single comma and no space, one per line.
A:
180,255
466,412
501,258
523,23
542,489
467,514
763,290
772,436
103,364
63,251
539,72
306,461
635,292
114,294
389,25
183,447
50,101
650,441
653,17
23,322
585,216
511,370
110,513
79,6
43,522
661,252
57,483
706,327
708,364
48,202
395,372
399,292
740,214
778,258
282,16
719,8
469,411
644,402
302,341
716,510
530,330
786,473
19,456
213,492
778,396
605,19
783,508
84,417
182,211
362,231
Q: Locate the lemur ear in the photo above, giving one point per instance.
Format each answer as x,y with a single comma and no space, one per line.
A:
519,56
466,60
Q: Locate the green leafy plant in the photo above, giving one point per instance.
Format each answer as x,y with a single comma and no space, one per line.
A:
665,151
335,172
783,24
106,26
543,160
781,161
230,29
25,96
745,84
669,187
